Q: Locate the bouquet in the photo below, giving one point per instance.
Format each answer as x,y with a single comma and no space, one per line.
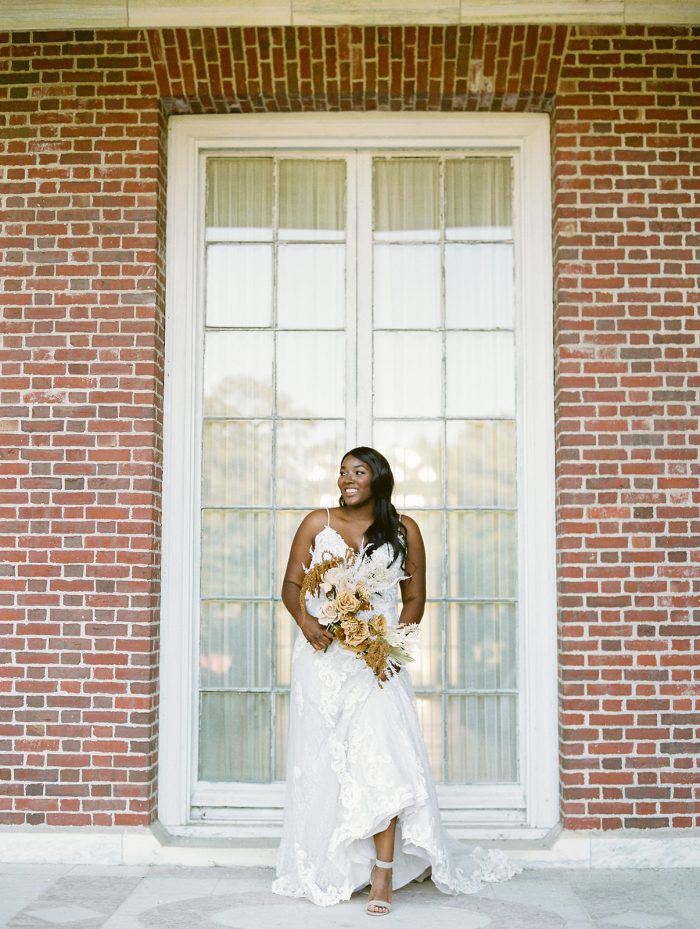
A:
350,617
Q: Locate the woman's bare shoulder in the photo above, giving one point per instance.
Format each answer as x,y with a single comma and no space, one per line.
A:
313,522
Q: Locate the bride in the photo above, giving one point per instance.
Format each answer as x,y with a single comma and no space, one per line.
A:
360,802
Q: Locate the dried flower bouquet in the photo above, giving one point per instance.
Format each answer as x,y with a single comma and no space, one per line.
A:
349,583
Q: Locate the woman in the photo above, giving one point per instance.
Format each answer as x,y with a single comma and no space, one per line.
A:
360,803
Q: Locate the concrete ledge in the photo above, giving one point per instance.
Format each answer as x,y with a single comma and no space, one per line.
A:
662,848
154,14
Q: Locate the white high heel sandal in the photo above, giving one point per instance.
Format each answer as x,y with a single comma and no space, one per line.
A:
379,864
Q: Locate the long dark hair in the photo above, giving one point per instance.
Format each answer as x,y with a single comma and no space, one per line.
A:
386,527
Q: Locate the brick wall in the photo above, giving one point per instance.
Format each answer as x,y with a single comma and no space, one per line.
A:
82,136
81,389
626,245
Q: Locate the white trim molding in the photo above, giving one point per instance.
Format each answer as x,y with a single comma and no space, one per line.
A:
633,848
530,808
154,14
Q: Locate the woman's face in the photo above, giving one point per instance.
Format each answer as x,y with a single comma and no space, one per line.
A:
354,481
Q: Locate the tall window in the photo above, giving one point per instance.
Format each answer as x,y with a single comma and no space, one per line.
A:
332,282
274,402
440,386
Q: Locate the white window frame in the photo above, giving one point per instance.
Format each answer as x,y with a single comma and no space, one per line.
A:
530,808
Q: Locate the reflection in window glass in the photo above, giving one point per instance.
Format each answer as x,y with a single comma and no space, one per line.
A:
481,463
310,374
483,556
238,373
307,459
481,646
235,553
237,462
235,644
415,453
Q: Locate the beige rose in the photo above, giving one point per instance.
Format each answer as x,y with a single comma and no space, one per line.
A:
327,614
378,624
356,631
346,603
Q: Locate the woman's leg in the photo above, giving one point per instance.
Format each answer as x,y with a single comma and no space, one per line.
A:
381,878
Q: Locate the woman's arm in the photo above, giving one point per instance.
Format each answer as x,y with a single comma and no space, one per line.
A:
310,525
413,590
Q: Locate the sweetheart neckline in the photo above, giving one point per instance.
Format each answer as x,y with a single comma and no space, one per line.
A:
339,536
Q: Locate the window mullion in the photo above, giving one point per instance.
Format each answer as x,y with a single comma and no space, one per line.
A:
351,302
364,351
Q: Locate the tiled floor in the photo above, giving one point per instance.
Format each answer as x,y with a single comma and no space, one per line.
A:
92,897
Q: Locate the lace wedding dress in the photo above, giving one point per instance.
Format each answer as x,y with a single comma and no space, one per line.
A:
356,758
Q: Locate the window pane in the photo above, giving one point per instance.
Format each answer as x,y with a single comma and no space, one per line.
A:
235,553
308,458
238,374
235,644
426,670
236,462
285,633
311,286
310,374
482,554
430,719
312,199
480,374
479,286
414,450
398,356
239,285
478,198
286,525
234,742
481,463
239,199
406,199
481,646
482,739
430,525
406,286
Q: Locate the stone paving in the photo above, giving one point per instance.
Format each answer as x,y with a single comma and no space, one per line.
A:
99,897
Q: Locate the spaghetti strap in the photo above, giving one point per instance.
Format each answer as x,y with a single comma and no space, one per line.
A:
328,515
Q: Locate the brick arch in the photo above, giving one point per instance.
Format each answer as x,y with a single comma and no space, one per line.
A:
497,68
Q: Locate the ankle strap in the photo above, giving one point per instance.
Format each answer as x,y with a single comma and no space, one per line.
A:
384,864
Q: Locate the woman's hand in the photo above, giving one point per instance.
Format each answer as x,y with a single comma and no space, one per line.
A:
316,634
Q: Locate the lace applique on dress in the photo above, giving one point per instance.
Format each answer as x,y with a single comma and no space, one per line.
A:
356,759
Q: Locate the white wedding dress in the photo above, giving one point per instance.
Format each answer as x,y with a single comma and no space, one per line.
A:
356,758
